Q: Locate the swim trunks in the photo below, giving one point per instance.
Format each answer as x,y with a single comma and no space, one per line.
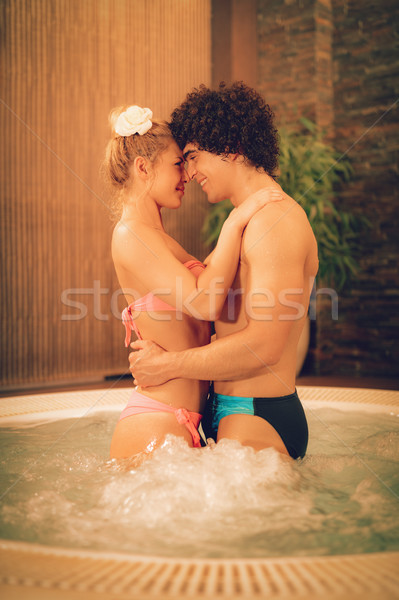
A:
284,413
138,403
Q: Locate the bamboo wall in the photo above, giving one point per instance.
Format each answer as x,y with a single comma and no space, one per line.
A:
65,64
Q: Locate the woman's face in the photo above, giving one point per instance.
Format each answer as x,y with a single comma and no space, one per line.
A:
167,187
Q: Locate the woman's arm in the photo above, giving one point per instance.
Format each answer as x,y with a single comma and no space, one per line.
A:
145,258
222,263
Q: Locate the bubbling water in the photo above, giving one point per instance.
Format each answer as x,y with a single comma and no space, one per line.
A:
224,500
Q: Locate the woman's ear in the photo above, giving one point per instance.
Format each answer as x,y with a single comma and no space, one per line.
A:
141,167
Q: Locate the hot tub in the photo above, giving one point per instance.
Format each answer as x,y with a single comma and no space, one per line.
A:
30,570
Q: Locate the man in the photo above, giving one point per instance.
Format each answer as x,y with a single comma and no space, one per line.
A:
230,146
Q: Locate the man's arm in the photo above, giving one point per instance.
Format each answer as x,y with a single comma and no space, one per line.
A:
227,359
274,300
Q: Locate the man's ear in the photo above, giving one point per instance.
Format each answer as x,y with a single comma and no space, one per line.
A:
141,167
234,156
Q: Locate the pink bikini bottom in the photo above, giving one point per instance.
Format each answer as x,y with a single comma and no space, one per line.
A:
138,403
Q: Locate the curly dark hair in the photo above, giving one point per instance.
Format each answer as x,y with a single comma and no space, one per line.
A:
231,119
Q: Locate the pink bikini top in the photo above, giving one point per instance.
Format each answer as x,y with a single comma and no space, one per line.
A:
149,303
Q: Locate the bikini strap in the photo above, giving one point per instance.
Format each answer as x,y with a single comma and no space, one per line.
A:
130,325
183,417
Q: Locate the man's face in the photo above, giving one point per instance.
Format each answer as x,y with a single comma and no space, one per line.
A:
211,171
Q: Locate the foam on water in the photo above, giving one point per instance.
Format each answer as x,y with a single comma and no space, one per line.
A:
59,488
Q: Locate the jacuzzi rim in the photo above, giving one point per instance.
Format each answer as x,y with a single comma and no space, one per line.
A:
60,552
17,409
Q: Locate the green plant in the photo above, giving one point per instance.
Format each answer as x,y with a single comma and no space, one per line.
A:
310,169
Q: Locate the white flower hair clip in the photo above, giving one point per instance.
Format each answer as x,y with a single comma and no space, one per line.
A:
134,120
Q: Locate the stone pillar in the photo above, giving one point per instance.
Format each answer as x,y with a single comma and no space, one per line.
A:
295,58
234,41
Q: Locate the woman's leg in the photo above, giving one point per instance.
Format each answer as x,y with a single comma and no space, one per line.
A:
144,432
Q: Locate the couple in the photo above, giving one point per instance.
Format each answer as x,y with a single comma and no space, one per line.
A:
255,285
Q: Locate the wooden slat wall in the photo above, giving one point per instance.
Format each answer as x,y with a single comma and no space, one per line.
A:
65,64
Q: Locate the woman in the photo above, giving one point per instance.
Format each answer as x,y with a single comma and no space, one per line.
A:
171,296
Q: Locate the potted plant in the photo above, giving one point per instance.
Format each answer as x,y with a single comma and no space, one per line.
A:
310,168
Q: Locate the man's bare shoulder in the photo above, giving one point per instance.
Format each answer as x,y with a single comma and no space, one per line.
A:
279,216
279,225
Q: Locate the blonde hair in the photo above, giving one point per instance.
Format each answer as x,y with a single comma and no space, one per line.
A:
121,151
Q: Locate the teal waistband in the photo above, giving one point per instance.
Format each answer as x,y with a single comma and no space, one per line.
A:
225,397
249,398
